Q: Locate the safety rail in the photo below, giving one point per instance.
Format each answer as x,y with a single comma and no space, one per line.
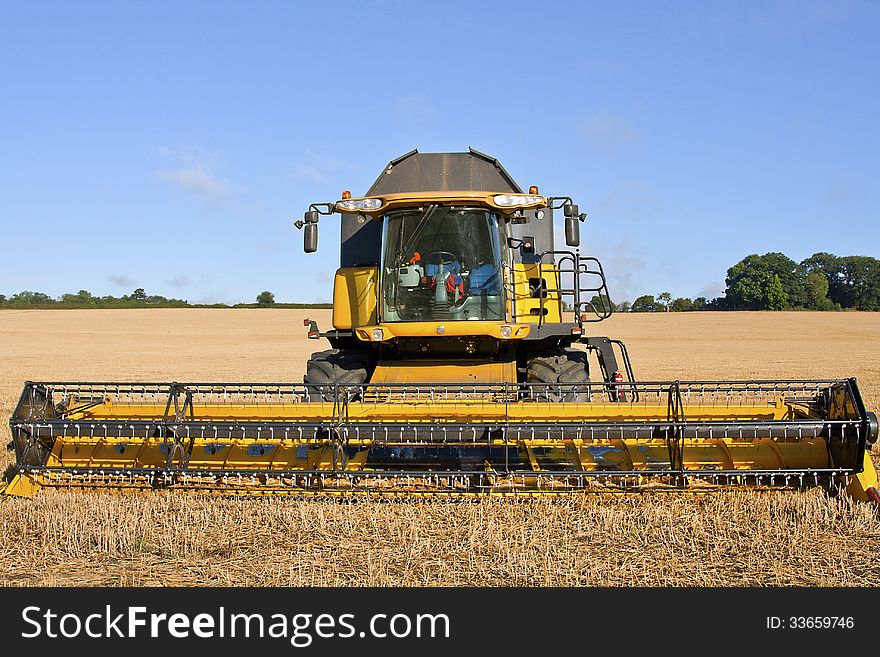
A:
708,392
574,292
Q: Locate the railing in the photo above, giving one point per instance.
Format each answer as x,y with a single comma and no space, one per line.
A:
651,393
61,395
581,289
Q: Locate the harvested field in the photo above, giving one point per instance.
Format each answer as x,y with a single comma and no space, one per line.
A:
735,538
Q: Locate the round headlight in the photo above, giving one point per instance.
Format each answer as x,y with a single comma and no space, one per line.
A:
506,331
377,334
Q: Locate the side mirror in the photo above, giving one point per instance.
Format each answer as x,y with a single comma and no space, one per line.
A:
310,238
572,229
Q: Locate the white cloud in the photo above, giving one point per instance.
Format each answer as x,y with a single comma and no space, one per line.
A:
712,290
217,298
843,194
633,200
414,109
195,179
601,66
319,167
795,16
180,281
193,172
606,132
624,266
121,280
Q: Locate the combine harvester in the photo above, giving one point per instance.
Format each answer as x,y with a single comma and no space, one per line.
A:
459,366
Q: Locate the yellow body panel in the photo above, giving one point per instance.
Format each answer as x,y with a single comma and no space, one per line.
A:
383,405
448,329
524,305
445,371
354,297
862,484
21,485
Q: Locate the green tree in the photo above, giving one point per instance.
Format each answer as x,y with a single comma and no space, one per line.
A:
665,298
817,291
601,303
646,304
28,298
862,279
139,295
750,282
777,299
682,304
700,303
81,298
2,299
265,298
853,281
624,307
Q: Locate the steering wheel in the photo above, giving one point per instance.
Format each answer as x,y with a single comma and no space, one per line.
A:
441,260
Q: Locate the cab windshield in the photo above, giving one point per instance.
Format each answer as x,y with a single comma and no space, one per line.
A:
441,264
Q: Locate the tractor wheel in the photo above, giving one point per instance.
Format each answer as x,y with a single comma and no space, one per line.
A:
335,367
567,366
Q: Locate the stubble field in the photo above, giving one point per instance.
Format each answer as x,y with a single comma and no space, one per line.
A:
729,539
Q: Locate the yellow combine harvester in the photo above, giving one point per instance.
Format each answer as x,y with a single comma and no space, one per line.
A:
459,365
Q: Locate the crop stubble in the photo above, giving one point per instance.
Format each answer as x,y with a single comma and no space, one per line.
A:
730,538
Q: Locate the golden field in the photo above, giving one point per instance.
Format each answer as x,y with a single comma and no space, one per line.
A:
731,538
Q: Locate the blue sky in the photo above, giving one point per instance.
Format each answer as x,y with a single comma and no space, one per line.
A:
170,145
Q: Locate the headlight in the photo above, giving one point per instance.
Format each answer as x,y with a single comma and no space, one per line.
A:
506,331
377,334
517,200
359,204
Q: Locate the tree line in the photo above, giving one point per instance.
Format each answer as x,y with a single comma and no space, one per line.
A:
774,281
137,299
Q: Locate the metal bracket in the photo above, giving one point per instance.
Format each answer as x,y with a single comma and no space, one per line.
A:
604,348
314,332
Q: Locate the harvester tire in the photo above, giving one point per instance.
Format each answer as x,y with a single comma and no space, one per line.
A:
335,367
568,366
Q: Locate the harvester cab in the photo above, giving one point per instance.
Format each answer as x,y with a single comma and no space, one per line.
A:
458,366
447,259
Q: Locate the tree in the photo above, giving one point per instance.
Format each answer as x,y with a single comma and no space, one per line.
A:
646,304
853,281
81,298
700,303
265,298
682,304
28,298
2,299
139,295
777,299
665,298
750,282
601,303
817,291
624,307
861,275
